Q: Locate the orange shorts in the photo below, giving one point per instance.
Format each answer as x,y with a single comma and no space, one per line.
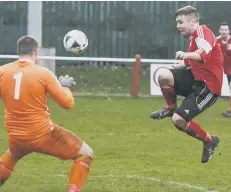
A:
59,143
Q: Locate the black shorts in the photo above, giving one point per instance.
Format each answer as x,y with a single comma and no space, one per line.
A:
229,78
197,95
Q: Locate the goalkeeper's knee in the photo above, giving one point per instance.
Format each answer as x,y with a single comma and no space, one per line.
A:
86,151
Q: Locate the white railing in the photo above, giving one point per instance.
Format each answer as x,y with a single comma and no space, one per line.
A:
127,60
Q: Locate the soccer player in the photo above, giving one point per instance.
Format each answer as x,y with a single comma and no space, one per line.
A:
225,42
24,87
197,77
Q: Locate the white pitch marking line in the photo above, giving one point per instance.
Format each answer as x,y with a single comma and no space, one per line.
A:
188,186
169,182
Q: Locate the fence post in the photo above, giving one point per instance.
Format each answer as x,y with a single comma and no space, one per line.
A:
136,76
50,64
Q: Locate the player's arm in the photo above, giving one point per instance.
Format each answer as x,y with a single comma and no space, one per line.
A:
187,56
193,56
183,56
62,95
205,41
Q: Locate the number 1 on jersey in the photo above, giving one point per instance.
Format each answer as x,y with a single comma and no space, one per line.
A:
18,78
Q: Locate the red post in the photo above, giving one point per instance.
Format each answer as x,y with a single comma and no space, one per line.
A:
136,77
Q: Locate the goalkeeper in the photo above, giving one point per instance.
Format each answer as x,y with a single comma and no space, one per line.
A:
24,86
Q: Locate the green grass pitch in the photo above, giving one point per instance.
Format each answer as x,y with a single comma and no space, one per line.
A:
132,153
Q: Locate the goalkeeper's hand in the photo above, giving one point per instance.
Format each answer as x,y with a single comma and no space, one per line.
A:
67,81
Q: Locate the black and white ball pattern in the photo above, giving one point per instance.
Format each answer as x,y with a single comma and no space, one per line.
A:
75,41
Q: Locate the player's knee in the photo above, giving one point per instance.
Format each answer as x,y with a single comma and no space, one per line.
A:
6,168
165,79
179,122
86,150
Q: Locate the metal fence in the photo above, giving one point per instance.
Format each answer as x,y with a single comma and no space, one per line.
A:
114,28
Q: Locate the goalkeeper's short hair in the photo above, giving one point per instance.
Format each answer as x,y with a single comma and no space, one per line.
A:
26,45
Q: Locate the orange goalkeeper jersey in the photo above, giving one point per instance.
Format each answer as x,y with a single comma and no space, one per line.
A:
24,87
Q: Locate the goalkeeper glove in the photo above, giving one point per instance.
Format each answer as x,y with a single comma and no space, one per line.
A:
67,81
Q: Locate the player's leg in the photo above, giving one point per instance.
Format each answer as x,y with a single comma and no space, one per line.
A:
9,159
65,145
172,82
228,112
166,82
7,165
80,168
194,104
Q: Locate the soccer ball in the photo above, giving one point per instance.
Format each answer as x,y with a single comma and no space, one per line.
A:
75,41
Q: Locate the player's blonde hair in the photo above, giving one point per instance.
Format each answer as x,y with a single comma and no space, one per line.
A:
188,10
26,45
